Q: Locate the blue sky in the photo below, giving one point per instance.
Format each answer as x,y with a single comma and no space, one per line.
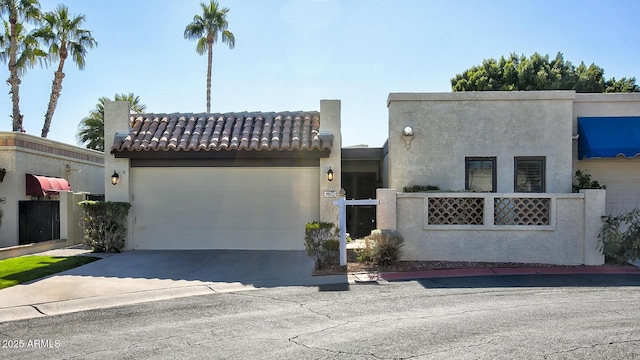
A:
290,54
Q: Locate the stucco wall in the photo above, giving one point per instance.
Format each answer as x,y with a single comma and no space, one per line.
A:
570,239
620,175
451,126
24,154
223,208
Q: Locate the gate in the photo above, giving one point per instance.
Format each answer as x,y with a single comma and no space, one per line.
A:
38,221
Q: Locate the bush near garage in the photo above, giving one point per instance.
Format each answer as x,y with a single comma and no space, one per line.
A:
321,242
104,224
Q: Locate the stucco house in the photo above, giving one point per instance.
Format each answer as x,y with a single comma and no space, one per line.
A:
242,181
36,177
505,163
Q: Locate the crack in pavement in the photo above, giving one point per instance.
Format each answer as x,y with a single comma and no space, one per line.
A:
592,346
301,304
38,310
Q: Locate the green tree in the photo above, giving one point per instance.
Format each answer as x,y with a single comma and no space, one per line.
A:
91,128
205,28
63,35
538,73
18,49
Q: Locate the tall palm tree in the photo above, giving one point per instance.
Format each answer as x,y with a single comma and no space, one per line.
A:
91,128
205,28
18,55
64,36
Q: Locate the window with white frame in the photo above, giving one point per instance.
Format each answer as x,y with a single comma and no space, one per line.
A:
529,174
480,174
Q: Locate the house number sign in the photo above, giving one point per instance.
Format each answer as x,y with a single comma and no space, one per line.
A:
331,193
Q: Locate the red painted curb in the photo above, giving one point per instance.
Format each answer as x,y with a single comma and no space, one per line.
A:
445,273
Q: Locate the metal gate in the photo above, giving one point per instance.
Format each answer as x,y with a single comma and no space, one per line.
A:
360,219
38,221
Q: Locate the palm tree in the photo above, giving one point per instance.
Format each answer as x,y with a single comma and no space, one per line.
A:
91,128
18,53
205,28
64,37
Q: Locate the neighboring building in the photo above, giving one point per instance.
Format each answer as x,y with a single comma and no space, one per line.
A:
608,147
244,181
33,172
505,162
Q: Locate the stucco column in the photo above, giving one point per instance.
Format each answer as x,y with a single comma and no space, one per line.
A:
116,120
594,210
66,215
386,209
330,124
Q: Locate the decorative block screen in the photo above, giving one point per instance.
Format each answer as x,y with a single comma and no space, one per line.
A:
521,211
456,211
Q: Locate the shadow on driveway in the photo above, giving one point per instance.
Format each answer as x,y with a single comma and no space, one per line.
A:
263,268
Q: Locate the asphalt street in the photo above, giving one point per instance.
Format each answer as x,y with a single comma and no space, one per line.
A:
498,317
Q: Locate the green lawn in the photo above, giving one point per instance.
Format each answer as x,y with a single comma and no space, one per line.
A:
21,269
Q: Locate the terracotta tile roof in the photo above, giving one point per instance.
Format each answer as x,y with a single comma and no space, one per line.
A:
258,131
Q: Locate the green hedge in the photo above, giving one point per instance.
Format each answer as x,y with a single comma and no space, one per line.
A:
104,224
321,242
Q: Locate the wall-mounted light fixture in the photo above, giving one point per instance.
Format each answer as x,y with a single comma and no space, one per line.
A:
407,136
3,172
330,174
115,178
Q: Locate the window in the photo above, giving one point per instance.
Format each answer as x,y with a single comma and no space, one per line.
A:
480,174
529,174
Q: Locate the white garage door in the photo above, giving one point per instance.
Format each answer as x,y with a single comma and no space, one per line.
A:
622,179
223,208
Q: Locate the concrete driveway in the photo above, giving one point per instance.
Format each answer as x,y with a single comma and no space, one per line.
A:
140,276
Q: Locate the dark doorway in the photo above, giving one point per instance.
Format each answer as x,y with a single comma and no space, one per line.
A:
38,221
360,219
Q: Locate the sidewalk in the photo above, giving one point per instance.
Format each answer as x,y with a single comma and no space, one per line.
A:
141,276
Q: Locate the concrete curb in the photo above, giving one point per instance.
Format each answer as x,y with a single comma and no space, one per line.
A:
99,302
447,273
22,312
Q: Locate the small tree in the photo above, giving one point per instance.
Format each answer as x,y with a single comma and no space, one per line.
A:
104,224
620,237
321,242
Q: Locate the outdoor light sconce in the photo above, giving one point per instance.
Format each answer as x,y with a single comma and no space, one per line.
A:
115,178
407,136
330,174
3,172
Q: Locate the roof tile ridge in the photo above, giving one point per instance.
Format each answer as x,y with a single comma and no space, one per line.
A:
207,132
258,122
168,131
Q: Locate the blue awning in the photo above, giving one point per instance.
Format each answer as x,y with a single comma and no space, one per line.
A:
607,137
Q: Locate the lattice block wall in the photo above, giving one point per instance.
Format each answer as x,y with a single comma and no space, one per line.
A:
456,211
521,211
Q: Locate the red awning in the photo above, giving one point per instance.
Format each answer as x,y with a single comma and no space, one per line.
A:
44,185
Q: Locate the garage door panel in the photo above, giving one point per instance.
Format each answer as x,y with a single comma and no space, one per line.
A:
223,208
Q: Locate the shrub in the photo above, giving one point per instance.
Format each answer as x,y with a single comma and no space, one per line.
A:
620,237
584,181
420,188
104,224
321,242
383,247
